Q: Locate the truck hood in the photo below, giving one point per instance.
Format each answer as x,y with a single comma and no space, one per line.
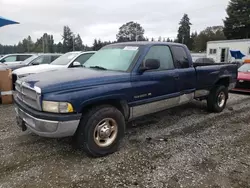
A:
36,69
74,78
244,76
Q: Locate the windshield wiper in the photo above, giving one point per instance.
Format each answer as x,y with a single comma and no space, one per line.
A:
98,67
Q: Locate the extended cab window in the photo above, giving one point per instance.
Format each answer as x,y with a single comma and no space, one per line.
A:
83,58
181,58
163,54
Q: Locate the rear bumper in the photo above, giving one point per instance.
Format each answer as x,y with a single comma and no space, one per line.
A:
241,90
242,86
46,124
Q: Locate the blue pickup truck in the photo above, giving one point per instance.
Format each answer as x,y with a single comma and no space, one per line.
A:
119,83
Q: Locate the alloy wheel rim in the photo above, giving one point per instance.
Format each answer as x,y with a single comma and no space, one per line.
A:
105,132
221,99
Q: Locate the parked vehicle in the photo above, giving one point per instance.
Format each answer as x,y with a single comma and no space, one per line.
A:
196,56
14,58
68,60
119,83
227,51
36,59
243,81
205,60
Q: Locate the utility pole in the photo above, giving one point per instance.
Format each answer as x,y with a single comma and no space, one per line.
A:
73,38
28,45
136,33
43,43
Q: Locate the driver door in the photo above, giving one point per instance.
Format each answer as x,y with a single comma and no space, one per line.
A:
155,90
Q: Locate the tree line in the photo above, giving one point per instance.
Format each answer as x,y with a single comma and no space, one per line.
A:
236,26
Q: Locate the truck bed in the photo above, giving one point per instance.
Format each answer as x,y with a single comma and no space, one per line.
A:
208,74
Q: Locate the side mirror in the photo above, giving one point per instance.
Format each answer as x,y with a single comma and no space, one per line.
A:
2,61
76,64
150,64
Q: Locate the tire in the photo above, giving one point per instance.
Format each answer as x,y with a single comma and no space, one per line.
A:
217,99
88,132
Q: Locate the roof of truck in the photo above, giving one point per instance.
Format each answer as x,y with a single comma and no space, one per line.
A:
144,43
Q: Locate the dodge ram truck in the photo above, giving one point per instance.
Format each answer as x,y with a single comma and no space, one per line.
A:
119,83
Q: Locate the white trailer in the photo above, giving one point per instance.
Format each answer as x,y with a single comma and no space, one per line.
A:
220,50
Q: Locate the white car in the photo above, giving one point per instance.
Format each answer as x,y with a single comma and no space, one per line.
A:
68,60
12,59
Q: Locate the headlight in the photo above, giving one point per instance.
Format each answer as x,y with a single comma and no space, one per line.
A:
57,107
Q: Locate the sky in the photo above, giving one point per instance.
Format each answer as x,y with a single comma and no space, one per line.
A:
101,19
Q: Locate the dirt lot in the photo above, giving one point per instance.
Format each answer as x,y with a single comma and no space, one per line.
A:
182,147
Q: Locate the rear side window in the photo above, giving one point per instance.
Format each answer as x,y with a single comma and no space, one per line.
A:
54,57
41,60
22,57
180,55
83,58
163,54
46,59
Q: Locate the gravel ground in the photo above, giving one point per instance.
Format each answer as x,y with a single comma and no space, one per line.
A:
182,147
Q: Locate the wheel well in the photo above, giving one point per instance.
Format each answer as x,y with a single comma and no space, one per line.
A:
121,105
223,81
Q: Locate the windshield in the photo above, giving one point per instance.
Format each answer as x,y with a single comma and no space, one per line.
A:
116,58
27,61
65,59
244,68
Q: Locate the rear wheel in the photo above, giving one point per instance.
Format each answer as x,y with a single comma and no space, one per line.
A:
217,99
100,131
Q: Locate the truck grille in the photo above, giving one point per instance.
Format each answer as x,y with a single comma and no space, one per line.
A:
243,85
27,95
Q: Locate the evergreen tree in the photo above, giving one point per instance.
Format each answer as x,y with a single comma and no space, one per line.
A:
59,47
29,44
78,43
237,23
192,39
50,41
184,31
95,45
67,39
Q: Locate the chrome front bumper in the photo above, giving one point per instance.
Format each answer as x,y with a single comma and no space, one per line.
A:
46,128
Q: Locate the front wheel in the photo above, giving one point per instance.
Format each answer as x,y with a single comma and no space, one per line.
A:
100,131
217,99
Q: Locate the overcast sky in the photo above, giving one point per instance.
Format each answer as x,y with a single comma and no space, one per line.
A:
102,18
